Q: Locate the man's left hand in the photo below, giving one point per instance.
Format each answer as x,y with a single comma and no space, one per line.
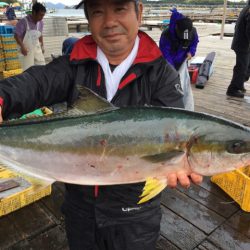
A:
184,179
189,56
43,50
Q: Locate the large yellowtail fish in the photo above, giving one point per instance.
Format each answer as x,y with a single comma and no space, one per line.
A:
96,144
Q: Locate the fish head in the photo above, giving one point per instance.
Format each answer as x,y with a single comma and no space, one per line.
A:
219,148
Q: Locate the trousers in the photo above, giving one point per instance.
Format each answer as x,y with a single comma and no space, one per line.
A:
98,223
241,71
85,235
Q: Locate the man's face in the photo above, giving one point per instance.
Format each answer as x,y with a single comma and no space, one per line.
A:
38,16
114,25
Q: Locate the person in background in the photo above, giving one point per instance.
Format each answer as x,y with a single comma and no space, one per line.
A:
125,66
10,13
28,35
241,47
68,45
179,41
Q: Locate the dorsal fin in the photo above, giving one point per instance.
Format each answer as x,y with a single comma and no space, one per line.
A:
89,102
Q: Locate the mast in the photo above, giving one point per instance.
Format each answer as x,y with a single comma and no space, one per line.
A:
223,19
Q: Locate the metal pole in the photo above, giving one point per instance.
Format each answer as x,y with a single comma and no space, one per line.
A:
223,19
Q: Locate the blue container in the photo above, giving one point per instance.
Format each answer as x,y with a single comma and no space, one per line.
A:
166,21
7,29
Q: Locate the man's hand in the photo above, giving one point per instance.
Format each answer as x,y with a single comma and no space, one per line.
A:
189,56
184,179
24,51
42,48
1,118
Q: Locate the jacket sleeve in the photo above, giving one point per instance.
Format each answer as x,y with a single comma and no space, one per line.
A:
194,43
36,87
167,89
165,47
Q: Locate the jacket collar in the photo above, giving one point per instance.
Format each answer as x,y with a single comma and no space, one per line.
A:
86,48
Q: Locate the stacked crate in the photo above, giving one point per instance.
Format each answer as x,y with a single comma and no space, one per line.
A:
237,185
9,60
2,61
17,192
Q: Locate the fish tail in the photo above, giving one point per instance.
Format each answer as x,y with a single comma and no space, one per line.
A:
153,186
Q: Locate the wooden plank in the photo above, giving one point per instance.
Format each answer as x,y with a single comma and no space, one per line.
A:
194,212
210,200
241,222
163,244
31,220
54,201
214,189
9,233
178,231
227,238
53,239
208,245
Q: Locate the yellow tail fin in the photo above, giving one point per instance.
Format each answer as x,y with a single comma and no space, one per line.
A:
153,186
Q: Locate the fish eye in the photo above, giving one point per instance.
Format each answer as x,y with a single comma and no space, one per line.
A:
236,147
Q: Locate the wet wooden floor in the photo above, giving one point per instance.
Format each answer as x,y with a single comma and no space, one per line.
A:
201,218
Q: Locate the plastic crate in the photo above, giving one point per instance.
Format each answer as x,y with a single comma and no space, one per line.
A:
7,29
7,38
9,46
2,64
237,185
11,53
10,73
26,193
12,63
2,54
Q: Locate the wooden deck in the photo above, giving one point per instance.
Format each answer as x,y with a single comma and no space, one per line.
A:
201,218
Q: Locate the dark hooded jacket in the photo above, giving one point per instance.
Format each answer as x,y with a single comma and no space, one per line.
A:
149,81
241,39
173,48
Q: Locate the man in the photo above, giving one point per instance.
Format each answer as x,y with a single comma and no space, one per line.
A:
29,37
10,13
179,41
241,47
124,66
68,45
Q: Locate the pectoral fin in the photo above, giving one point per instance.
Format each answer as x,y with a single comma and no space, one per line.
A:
153,186
163,157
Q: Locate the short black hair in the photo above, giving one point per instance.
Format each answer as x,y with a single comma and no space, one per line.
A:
38,7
